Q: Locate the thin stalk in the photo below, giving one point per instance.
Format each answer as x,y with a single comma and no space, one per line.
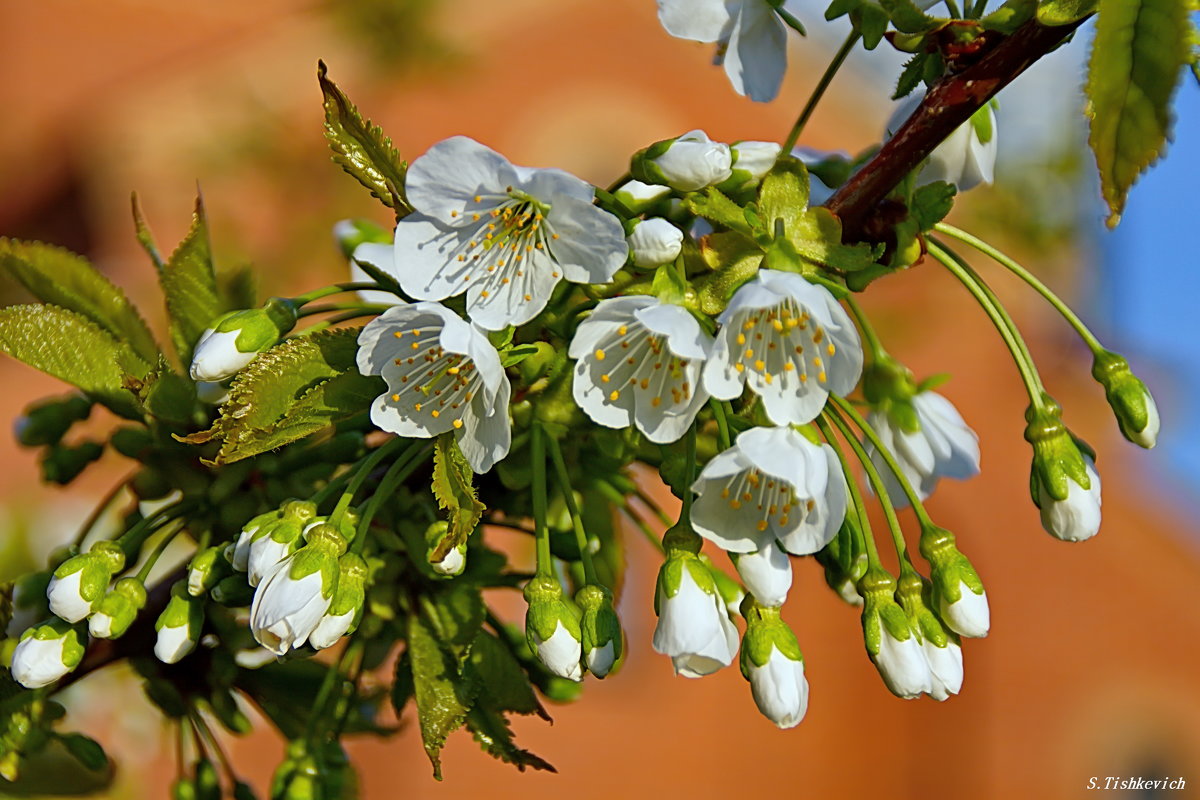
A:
335,288
1012,266
977,11
343,714
619,500
105,503
537,454
856,497
723,437
396,474
214,745
868,330
819,90
913,498
365,308
334,485
952,9
564,485
361,473
889,511
1033,386
689,471
131,541
168,537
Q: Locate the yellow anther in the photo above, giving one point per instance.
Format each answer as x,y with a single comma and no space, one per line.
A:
454,370
478,199
458,423
604,379
417,407
741,338
740,367
831,349
454,213
435,413
821,376
528,297
621,331
416,345
759,365
485,294
614,395
777,324
398,334
395,398
656,402
762,524
749,353
725,493
599,355
645,384
735,504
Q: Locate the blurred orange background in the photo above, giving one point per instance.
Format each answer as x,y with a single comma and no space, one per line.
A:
1089,669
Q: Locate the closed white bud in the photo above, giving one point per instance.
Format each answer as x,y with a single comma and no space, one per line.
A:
945,668
687,163
46,653
1078,516
655,241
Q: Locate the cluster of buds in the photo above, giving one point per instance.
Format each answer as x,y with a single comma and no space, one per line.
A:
568,636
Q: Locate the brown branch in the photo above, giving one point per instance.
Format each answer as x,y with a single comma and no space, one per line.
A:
950,103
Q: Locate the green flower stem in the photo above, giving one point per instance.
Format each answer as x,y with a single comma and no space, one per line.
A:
537,454
619,500
819,90
1033,384
345,316
354,651
361,473
689,471
131,541
334,485
362,309
860,507
718,410
317,712
335,288
105,503
214,746
564,485
619,182
977,11
889,511
790,20
952,9
913,498
396,474
168,537
868,330
1012,266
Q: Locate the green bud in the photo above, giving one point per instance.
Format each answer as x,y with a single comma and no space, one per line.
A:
47,421
1131,401
552,628
232,592
234,338
208,785
179,625
957,593
602,639
206,569
118,609
1057,459
62,464
765,631
183,789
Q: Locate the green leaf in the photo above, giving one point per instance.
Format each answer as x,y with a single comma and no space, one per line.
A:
454,488
733,259
908,17
87,751
361,149
1010,16
1137,55
443,696
237,287
817,237
505,685
716,207
911,76
72,348
784,194
168,395
64,279
293,390
490,729
456,614
1063,12
931,203
190,287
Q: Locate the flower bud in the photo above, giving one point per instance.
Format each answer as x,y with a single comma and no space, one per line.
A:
693,628
942,651
80,581
772,662
238,553
1063,479
751,161
654,241
213,393
687,163
1131,401
640,197
602,640
958,593
552,628
118,609
206,569
346,609
47,652
178,627
766,573
966,158
272,542
46,422
236,337
455,559
296,593
891,643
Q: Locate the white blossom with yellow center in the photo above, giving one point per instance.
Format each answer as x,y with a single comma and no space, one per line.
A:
789,341
638,363
772,485
442,375
505,235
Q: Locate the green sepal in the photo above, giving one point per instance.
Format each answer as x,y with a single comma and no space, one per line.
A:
765,632
1057,459
1126,393
912,593
182,610
880,610
729,590
668,285
933,201
908,17
1008,17
734,259
325,544
45,422
206,568
547,608
950,569
599,624
715,206
122,605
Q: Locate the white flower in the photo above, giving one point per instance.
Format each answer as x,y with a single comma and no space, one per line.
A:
253,657
268,548
442,375
100,625
66,599
969,615
654,241
945,668
1077,517
773,484
560,653
693,628
46,653
790,341
767,573
330,629
287,609
217,356
943,446
753,160
966,158
505,235
752,41
687,163
173,643
639,363
780,689
902,663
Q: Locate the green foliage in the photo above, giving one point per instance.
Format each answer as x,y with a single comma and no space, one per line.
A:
1010,16
931,203
444,697
1137,55
1064,12
453,486
908,17
361,149
293,390
72,348
61,278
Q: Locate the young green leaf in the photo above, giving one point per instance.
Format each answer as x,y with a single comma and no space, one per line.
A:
505,685
931,203
733,259
62,278
190,287
453,486
361,149
490,729
1010,16
443,696
817,237
456,613
72,348
784,194
908,17
1137,55
1064,12
716,207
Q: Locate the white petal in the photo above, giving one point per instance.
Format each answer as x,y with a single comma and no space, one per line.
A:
330,629
449,176
38,662
216,356
359,275
173,643
561,654
1078,517
766,573
698,20
591,245
903,666
694,630
551,185
945,669
486,433
654,241
684,335
970,615
65,599
756,57
600,660
452,564
425,258
285,611
780,689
